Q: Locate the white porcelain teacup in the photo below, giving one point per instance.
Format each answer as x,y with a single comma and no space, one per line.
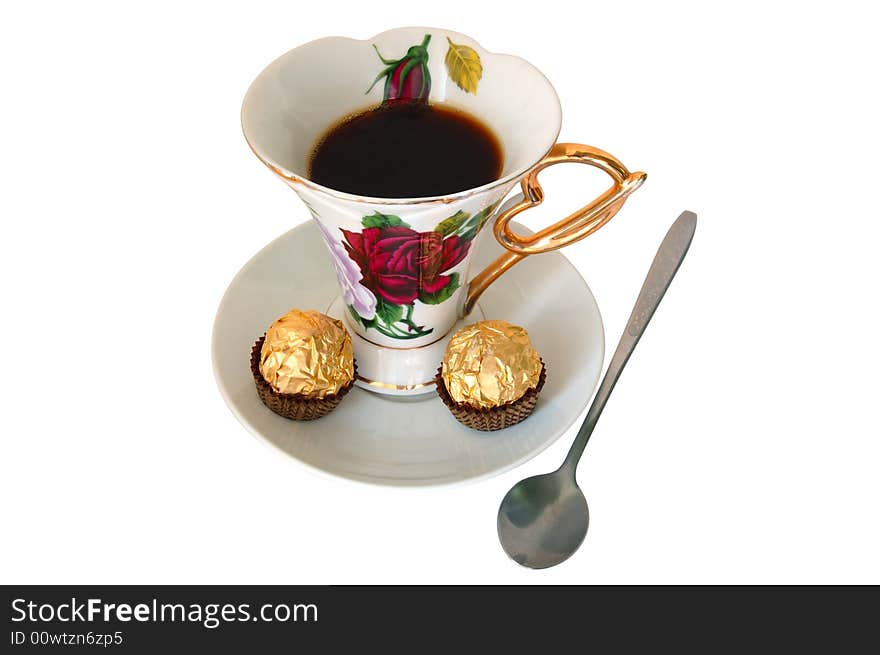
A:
403,264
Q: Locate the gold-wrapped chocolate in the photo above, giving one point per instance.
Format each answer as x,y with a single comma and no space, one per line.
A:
490,363
308,353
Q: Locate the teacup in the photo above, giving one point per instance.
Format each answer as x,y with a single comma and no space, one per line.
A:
403,264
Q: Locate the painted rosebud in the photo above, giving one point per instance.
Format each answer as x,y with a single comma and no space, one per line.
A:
406,78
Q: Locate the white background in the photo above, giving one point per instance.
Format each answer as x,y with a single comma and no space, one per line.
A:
741,444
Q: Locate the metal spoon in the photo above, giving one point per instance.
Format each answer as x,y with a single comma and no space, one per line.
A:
543,519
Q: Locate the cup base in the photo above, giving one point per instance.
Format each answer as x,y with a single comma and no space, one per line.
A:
398,372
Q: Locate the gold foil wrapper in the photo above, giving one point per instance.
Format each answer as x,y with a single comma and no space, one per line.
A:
490,363
308,353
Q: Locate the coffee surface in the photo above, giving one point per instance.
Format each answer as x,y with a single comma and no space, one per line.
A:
406,151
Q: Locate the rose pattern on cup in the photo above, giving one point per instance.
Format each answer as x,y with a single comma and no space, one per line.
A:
406,78
409,79
390,267
356,295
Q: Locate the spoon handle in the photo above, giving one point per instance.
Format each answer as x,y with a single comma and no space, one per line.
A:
666,262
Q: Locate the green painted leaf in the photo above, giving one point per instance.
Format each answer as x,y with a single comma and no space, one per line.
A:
470,233
444,294
484,215
452,224
357,317
472,228
387,312
382,220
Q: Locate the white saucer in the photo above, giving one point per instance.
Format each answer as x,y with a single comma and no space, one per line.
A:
415,442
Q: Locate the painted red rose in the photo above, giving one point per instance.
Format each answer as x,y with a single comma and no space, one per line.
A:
398,263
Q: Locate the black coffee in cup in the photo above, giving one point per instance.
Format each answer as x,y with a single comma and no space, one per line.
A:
407,150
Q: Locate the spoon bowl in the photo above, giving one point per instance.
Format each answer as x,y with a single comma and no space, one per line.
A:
543,519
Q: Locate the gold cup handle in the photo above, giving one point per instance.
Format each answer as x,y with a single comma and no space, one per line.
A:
573,227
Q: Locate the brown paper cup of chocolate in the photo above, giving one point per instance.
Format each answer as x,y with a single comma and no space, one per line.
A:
492,418
297,407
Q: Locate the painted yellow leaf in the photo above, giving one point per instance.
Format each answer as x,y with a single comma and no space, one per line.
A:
464,66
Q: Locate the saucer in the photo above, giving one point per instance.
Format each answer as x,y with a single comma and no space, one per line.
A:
413,441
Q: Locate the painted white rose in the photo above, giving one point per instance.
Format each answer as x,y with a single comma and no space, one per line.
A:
349,275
